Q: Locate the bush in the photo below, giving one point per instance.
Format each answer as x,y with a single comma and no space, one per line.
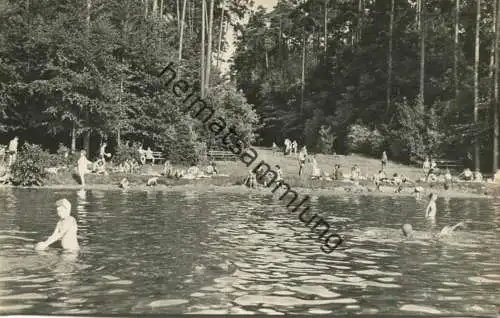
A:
30,164
182,148
326,140
126,152
361,139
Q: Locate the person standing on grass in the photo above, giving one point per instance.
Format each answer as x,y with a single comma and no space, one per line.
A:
12,150
384,160
302,160
295,146
83,163
274,148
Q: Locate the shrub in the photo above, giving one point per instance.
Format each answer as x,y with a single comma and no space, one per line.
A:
326,140
126,152
30,164
361,139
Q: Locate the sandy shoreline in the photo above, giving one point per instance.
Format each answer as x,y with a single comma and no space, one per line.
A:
334,191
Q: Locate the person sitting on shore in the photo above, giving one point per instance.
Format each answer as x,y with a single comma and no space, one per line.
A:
355,173
466,175
316,173
478,177
66,229
339,175
193,172
447,175
152,182
211,169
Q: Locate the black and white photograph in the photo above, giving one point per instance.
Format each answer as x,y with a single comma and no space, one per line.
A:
250,157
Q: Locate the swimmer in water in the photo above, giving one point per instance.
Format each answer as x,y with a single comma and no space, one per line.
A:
447,230
66,229
409,233
430,210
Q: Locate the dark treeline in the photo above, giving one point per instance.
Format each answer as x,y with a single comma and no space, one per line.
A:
410,77
84,71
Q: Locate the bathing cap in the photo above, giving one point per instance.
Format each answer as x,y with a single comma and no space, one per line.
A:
64,203
407,229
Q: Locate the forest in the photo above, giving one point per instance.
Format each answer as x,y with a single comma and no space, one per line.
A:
80,72
414,78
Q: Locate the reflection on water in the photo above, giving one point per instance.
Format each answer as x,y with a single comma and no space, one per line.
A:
192,252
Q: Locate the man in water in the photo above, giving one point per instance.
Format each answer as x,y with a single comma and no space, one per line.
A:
409,233
66,229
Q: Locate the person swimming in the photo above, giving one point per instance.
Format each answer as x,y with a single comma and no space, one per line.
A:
65,231
409,233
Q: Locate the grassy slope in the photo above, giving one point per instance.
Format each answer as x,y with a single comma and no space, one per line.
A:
237,171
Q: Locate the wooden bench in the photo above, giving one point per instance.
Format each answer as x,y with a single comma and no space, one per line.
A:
450,164
157,156
218,155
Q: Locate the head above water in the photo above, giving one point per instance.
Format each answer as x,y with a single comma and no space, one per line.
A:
407,229
63,208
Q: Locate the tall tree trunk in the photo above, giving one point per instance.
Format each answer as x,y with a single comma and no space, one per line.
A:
421,95
455,50
118,133
178,7
202,68
155,8
389,60
476,82
209,49
161,8
360,21
86,137
491,75
495,91
182,29
326,27
73,138
146,8
303,76
419,13
219,44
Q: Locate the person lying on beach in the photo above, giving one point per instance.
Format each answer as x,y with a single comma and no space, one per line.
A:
66,229
478,177
466,175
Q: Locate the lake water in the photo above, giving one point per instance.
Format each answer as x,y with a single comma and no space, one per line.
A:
188,252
